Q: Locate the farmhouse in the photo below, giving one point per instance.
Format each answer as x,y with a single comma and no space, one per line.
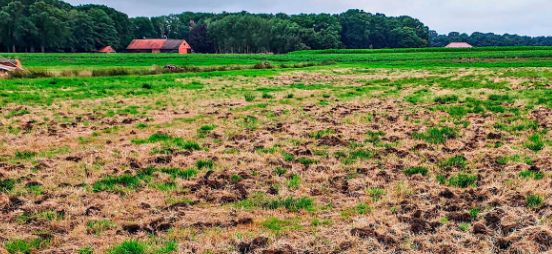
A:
9,65
459,45
159,46
107,50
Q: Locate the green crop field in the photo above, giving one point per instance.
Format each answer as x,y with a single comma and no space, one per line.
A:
334,151
385,58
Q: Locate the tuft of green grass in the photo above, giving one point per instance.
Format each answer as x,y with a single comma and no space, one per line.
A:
205,129
97,227
359,209
21,246
499,98
195,85
318,222
6,185
205,164
535,143
25,155
250,122
249,97
18,112
187,145
47,215
361,154
260,200
288,156
531,174
163,186
306,161
353,156
534,201
279,171
436,135
474,212
267,96
446,99
278,225
294,182
291,204
116,183
159,137
374,137
416,170
235,178
376,193
129,247
458,161
462,180
169,141
181,173
138,247
418,96
362,209
321,133
458,112
502,160
86,250
267,150
35,188
141,125
167,248
464,227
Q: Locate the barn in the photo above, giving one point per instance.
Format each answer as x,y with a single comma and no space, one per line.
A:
107,50
459,45
159,46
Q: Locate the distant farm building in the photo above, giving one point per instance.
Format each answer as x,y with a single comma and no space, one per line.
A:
107,50
159,46
9,65
459,45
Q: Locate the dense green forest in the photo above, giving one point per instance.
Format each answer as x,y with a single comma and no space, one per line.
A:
489,39
55,26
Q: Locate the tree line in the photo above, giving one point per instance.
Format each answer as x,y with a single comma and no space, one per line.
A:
488,39
56,26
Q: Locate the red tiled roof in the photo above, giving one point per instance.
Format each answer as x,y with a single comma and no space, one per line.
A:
142,44
107,49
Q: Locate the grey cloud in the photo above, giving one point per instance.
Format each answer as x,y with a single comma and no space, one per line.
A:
527,17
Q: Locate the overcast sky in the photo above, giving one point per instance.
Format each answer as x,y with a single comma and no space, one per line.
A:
526,17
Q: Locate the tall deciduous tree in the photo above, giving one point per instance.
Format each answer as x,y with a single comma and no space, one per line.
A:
52,28
53,25
16,27
103,31
200,40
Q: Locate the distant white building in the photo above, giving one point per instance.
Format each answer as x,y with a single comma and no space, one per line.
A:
459,45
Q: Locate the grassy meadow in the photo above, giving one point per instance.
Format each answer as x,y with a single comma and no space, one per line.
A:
334,151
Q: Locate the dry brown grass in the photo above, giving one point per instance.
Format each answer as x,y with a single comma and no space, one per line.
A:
76,144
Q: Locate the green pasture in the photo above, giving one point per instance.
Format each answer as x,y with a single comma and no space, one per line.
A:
382,58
